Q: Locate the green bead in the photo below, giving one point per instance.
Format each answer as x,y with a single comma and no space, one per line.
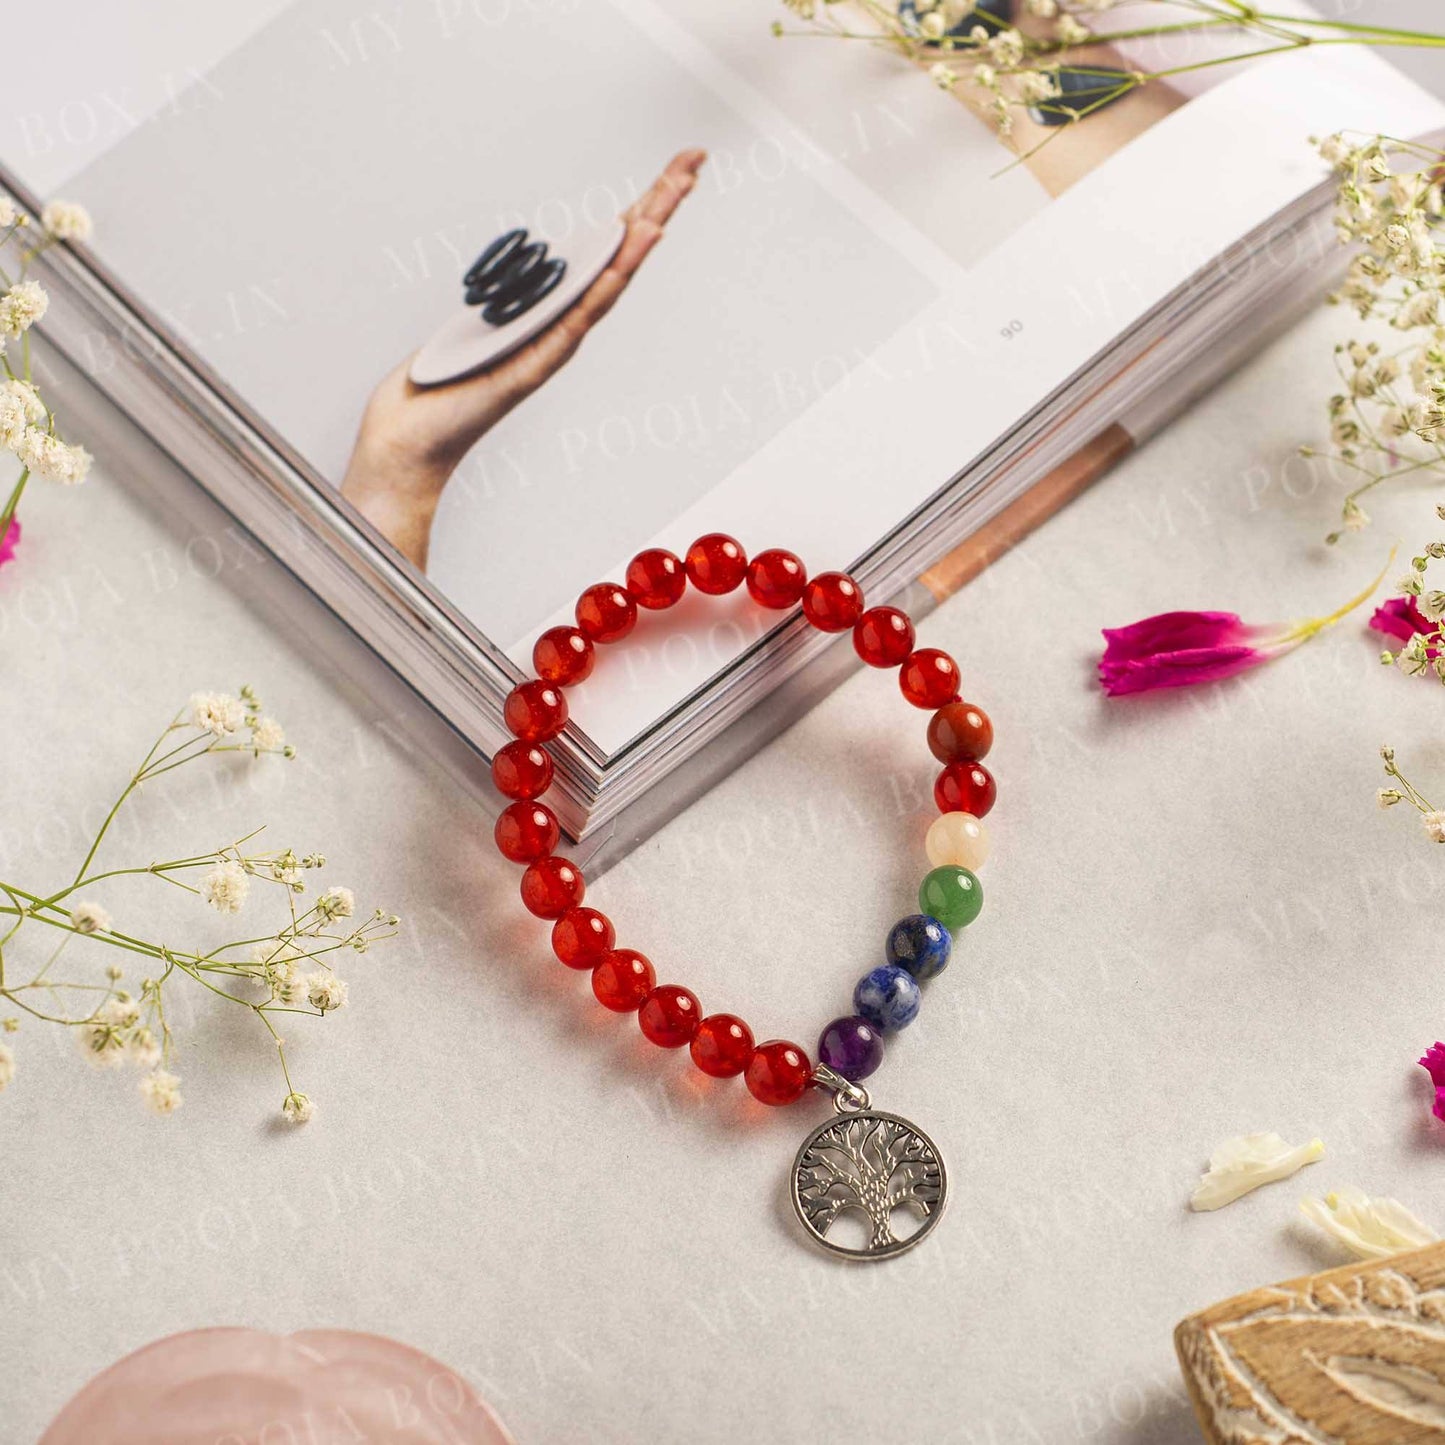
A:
952,895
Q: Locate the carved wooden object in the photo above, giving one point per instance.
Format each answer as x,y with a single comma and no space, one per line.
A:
1354,1355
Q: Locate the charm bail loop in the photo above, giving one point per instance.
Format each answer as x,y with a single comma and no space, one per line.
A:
848,1097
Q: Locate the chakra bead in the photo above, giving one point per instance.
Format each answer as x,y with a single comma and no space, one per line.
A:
952,895
522,770
669,1016
919,944
535,711
722,1045
777,1073
959,732
929,678
852,1047
622,980
606,612
563,655
832,602
957,838
526,831
581,936
551,886
965,788
716,564
883,637
776,579
656,579
888,998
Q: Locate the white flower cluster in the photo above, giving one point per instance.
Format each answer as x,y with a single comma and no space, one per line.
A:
223,716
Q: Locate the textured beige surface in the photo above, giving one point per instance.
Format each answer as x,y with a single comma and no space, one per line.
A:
1197,925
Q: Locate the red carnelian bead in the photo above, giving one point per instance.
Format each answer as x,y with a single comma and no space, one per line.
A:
959,732
526,832
606,612
656,579
535,711
929,678
563,655
622,980
883,637
716,563
551,886
669,1016
832,602
778,1072
965,787
722,1045
522,770
581,936
776,579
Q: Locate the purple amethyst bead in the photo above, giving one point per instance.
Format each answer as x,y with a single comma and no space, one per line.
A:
852,1047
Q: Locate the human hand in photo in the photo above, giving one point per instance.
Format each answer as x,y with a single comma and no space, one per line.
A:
412,438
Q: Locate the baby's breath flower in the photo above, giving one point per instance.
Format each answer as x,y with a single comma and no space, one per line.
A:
120,1012
52,459
1388,797
1434,824
336,903
326,992
88,917
1070,31
143,1049
67,220
102,1045
225,887
7,1066
943,76
297,1108
268,735
9,214
21,307
217,713
161,1092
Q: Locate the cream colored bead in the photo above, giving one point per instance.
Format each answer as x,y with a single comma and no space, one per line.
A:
958,839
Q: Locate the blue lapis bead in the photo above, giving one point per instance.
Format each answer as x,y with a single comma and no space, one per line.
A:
888,998
919,943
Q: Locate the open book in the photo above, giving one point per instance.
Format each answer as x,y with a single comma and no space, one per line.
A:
868,334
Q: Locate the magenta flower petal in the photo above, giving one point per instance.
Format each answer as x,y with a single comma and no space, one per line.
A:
1439,1110
1179,649
10,541
1175,632
1400,618
1433,1062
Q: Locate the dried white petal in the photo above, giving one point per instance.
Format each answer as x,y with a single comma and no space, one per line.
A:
1368,1228
1242,1164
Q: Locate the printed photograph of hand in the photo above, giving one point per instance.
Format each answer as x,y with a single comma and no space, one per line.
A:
412,438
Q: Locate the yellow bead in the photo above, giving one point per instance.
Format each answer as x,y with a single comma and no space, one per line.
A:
958,840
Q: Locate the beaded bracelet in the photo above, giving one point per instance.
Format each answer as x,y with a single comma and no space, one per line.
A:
864,1161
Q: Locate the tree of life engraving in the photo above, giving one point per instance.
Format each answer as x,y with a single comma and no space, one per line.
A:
872,1163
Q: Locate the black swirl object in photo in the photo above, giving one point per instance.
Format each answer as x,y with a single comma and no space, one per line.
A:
511,276
992,15
1081,93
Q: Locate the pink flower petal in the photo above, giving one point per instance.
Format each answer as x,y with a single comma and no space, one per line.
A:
1439,1110
1433,1062
10,542
1177,669
1175,632
213,1385
1400,618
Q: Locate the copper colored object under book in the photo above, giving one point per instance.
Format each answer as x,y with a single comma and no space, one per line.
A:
1354,1355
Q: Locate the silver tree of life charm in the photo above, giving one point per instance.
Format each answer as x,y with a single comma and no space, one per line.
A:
870,1164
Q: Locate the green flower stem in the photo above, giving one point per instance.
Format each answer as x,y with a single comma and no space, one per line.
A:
14,501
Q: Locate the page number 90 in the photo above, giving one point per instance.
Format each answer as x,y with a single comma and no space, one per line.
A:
1012,329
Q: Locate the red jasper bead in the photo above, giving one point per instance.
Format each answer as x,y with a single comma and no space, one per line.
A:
606,612
778,1072
965,787
776,579
581,936
535,711
656,579
563,655
959,731
669,1016
722,1045
716,564
929,678
551,886
526,832
883,637
522,770
832,602
622,980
